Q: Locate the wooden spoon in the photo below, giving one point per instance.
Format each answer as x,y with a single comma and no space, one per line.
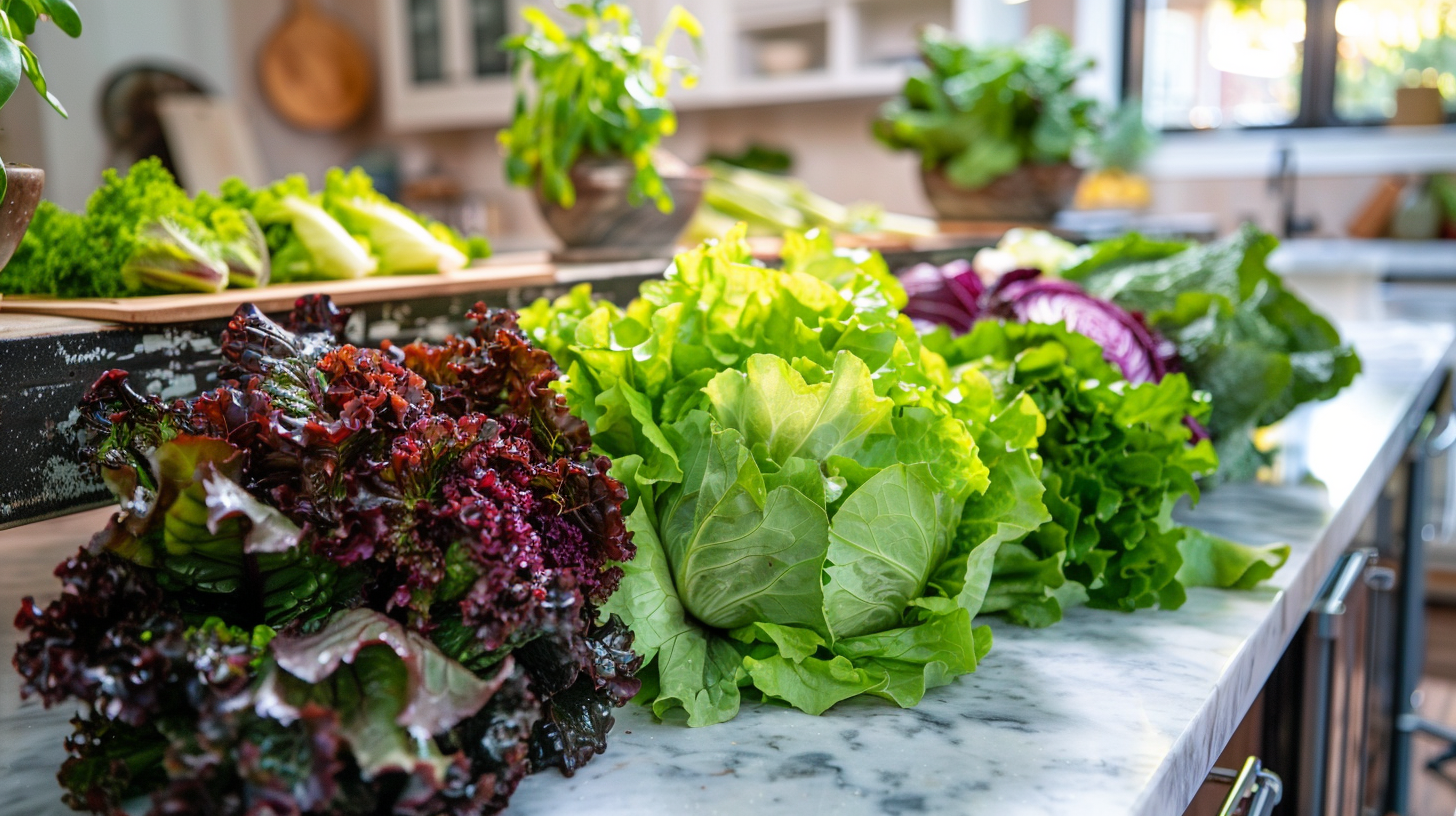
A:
314,71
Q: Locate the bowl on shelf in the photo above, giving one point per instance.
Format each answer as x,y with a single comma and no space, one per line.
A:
1032,193
605,226
783,56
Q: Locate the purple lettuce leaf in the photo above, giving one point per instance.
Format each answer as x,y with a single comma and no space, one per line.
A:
439,691
954,296
1126,340
269,531
947,295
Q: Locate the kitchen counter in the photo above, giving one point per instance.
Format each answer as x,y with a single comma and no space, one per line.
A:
1104,713
1378,258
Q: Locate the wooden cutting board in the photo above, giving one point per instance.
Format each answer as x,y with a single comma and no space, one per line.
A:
159,309
314,72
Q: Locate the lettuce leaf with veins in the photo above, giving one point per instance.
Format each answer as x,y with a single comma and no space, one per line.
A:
1211,561
800,473
740,551
392,689
885,540
692,669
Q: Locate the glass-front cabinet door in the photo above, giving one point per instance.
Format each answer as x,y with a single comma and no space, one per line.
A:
442,63
488,24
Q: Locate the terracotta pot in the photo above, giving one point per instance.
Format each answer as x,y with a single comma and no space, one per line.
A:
21,196
604,226
1031,193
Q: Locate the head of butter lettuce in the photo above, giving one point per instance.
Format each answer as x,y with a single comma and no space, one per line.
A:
813,516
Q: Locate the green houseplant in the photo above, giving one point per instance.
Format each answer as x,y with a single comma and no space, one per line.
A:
20,187
591,110
995,126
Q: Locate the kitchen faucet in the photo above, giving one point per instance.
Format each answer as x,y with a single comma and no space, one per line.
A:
1283,182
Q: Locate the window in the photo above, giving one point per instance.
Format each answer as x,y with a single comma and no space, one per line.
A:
488,26
427,55
1388,44
1204,64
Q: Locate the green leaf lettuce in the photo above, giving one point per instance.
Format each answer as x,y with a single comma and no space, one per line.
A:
800,477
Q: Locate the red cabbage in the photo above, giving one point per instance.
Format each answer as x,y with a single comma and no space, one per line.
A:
954,295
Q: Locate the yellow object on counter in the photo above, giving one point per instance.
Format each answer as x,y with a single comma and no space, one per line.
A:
1113,189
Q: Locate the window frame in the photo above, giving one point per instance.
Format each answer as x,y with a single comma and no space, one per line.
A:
1316,81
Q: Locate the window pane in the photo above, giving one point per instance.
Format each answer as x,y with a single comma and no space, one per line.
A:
1222,63
427,59
488,23
1390,44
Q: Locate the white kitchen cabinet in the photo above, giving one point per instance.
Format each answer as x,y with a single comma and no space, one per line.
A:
441,71
441,68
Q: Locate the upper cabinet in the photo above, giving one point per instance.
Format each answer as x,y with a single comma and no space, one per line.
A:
442,63
766,52
443,68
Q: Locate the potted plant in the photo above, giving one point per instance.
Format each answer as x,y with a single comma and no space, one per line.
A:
995,126
20,186
591,108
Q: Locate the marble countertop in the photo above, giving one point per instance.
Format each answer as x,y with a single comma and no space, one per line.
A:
1365,257
1104,713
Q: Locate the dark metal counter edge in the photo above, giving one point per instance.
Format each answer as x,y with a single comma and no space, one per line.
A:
42,378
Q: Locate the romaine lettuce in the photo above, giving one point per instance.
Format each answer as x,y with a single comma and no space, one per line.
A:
317,246
402,244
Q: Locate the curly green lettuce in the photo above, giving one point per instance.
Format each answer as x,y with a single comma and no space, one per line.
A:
1115,459
66,254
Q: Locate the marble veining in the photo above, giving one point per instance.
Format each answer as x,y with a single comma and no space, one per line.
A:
1104,713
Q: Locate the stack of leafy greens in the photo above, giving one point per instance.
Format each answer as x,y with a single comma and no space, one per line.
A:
1239,334
1116,457
724,388
1123,443
981,112
347,231
141,234
812,513
346,581
1125,435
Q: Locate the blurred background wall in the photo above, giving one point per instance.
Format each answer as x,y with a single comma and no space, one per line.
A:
216,43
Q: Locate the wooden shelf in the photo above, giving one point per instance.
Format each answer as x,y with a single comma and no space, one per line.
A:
160,309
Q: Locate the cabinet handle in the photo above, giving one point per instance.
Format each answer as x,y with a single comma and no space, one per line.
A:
1330,605
1262,787
1436,444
